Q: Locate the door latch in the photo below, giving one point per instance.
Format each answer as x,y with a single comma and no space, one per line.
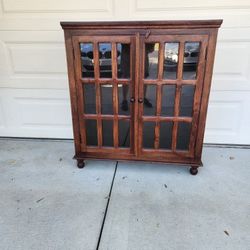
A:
147,34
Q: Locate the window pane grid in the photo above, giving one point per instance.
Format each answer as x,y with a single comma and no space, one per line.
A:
181,109
105,90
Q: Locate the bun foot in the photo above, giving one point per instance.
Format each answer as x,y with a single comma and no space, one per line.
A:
80,163
193,170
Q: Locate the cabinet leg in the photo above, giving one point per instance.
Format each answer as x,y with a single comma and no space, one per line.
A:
80,163
193,170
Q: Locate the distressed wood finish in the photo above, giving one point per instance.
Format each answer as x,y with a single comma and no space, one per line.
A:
137,34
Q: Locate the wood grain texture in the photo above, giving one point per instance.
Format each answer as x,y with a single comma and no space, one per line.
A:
137,34
115,95
79,90
206,91
175,24
73,91
178,93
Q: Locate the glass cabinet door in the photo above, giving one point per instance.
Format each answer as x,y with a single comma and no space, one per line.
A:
169,93
105,78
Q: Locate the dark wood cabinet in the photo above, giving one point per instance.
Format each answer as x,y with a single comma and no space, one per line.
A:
139,90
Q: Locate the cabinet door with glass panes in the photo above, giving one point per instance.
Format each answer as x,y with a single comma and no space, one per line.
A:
170,88
105,79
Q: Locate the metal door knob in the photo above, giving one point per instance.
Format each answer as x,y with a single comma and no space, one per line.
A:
132,99
140,100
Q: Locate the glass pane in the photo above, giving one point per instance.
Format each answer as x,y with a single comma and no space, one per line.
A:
106,99
187,100
183,135
123,60
148,134
151,60
149,100
191,56
105,60
123,99
166,134
170,60
107,133
168,97
89,98
87,59
91,132
124,133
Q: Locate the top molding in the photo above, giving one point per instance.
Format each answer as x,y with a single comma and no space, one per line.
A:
173,24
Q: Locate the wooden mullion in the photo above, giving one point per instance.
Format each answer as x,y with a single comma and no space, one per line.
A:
178,93
156,81
88,80
144,118
176,114
158,99
115,132
160,77
158,113
157,135
141,72
98,93
124,81
177,100
134,75
180,61
105,117
104,80
188,82
159,94
115,95
160,61
169,81
167,119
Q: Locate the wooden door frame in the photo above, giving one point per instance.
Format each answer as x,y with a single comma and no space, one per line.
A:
97,80
198,83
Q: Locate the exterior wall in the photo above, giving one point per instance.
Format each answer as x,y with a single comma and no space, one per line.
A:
34,98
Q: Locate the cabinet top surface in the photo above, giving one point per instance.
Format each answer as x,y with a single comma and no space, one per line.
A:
171,24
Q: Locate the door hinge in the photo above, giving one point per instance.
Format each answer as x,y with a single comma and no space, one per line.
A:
73,54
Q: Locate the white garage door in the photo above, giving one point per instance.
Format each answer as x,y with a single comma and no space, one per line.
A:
34,99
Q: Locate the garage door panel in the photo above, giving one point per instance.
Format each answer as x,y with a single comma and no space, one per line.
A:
2,118
36,113
234,13
54,6
228,118
232,65
142,5
39,58
34,92
232,59
33,59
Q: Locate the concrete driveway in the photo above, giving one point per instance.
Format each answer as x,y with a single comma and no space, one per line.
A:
48,203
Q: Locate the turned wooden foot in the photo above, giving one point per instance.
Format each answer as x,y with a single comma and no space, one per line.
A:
80,163
193,170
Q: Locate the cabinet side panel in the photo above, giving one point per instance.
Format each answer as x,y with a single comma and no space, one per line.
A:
72,88
206,91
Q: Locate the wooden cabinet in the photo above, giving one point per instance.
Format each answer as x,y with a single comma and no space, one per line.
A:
139,90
